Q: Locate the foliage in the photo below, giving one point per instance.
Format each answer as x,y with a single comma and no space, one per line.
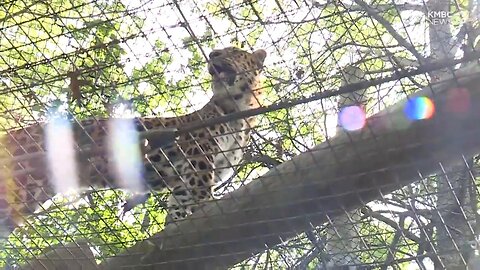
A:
84,58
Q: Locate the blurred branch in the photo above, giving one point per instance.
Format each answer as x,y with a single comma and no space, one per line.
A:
401,41
337,13
26,9
392,223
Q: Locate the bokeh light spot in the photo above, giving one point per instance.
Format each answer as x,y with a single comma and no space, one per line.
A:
419,108
458,101
352,118
126,156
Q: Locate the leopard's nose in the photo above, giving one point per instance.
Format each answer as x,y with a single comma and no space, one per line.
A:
214,54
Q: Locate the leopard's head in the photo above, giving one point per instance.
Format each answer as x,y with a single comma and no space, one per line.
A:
236,75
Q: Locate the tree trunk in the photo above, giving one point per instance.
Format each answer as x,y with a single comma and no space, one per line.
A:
342,234
453,214
453,218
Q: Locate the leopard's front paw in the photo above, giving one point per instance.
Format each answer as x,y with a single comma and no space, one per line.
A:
133,201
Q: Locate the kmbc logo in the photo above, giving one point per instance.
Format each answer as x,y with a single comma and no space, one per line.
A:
438,17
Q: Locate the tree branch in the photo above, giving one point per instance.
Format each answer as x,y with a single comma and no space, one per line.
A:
336,176
72,256
401,41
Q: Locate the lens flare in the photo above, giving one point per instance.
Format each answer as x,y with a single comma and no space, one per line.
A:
125,151
60,146
458,101
8,194
352,118
419,108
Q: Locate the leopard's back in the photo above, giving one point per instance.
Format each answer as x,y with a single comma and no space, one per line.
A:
26,179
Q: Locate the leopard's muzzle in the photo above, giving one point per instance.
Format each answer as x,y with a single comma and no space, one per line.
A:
222,72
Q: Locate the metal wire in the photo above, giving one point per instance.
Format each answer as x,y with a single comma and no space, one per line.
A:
101,59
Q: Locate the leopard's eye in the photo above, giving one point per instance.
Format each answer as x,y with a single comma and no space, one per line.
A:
214,54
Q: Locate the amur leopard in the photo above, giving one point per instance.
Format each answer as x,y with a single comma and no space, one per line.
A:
190,167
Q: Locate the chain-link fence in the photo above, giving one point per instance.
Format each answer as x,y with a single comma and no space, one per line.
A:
363,155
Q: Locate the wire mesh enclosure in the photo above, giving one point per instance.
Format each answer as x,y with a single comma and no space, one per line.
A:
360,154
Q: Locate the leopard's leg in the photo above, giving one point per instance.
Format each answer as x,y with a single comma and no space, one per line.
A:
19,198
196,187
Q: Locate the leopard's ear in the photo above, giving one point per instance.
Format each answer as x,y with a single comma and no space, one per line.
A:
260,55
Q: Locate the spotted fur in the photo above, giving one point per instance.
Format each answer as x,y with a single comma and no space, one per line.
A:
190,167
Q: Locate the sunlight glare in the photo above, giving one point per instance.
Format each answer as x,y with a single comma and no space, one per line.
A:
458,101
60,146
125,152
